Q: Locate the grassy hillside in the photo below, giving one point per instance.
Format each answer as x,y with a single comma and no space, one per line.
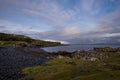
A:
12,39
77,69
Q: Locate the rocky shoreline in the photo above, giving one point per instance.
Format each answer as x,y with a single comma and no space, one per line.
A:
12,61
90,55
96,64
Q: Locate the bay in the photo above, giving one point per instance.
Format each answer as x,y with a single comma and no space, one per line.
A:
77,47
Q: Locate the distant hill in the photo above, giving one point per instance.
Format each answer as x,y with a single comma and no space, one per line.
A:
12,39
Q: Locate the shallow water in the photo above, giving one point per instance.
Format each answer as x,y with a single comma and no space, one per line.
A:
72,48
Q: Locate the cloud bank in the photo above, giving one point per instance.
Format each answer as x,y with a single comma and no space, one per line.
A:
69,21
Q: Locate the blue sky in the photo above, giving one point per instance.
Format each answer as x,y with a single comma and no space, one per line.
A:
68,21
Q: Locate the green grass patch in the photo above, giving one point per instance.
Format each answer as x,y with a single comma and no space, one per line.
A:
76,69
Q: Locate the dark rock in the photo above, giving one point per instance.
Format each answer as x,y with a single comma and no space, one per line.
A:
12,62
72,63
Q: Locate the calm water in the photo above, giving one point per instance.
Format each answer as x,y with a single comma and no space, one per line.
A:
72,48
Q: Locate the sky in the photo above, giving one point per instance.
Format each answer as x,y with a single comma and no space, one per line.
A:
67,21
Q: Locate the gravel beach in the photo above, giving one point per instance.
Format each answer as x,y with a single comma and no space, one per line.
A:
13,61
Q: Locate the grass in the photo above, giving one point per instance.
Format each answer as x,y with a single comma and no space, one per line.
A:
64,69
11,43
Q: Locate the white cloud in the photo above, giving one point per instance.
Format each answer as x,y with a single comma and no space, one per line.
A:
111,34
62,42
70,31
14,28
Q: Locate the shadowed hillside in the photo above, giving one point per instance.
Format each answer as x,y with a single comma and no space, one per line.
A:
13,39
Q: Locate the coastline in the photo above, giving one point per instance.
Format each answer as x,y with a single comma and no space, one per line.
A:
77,47
13,61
